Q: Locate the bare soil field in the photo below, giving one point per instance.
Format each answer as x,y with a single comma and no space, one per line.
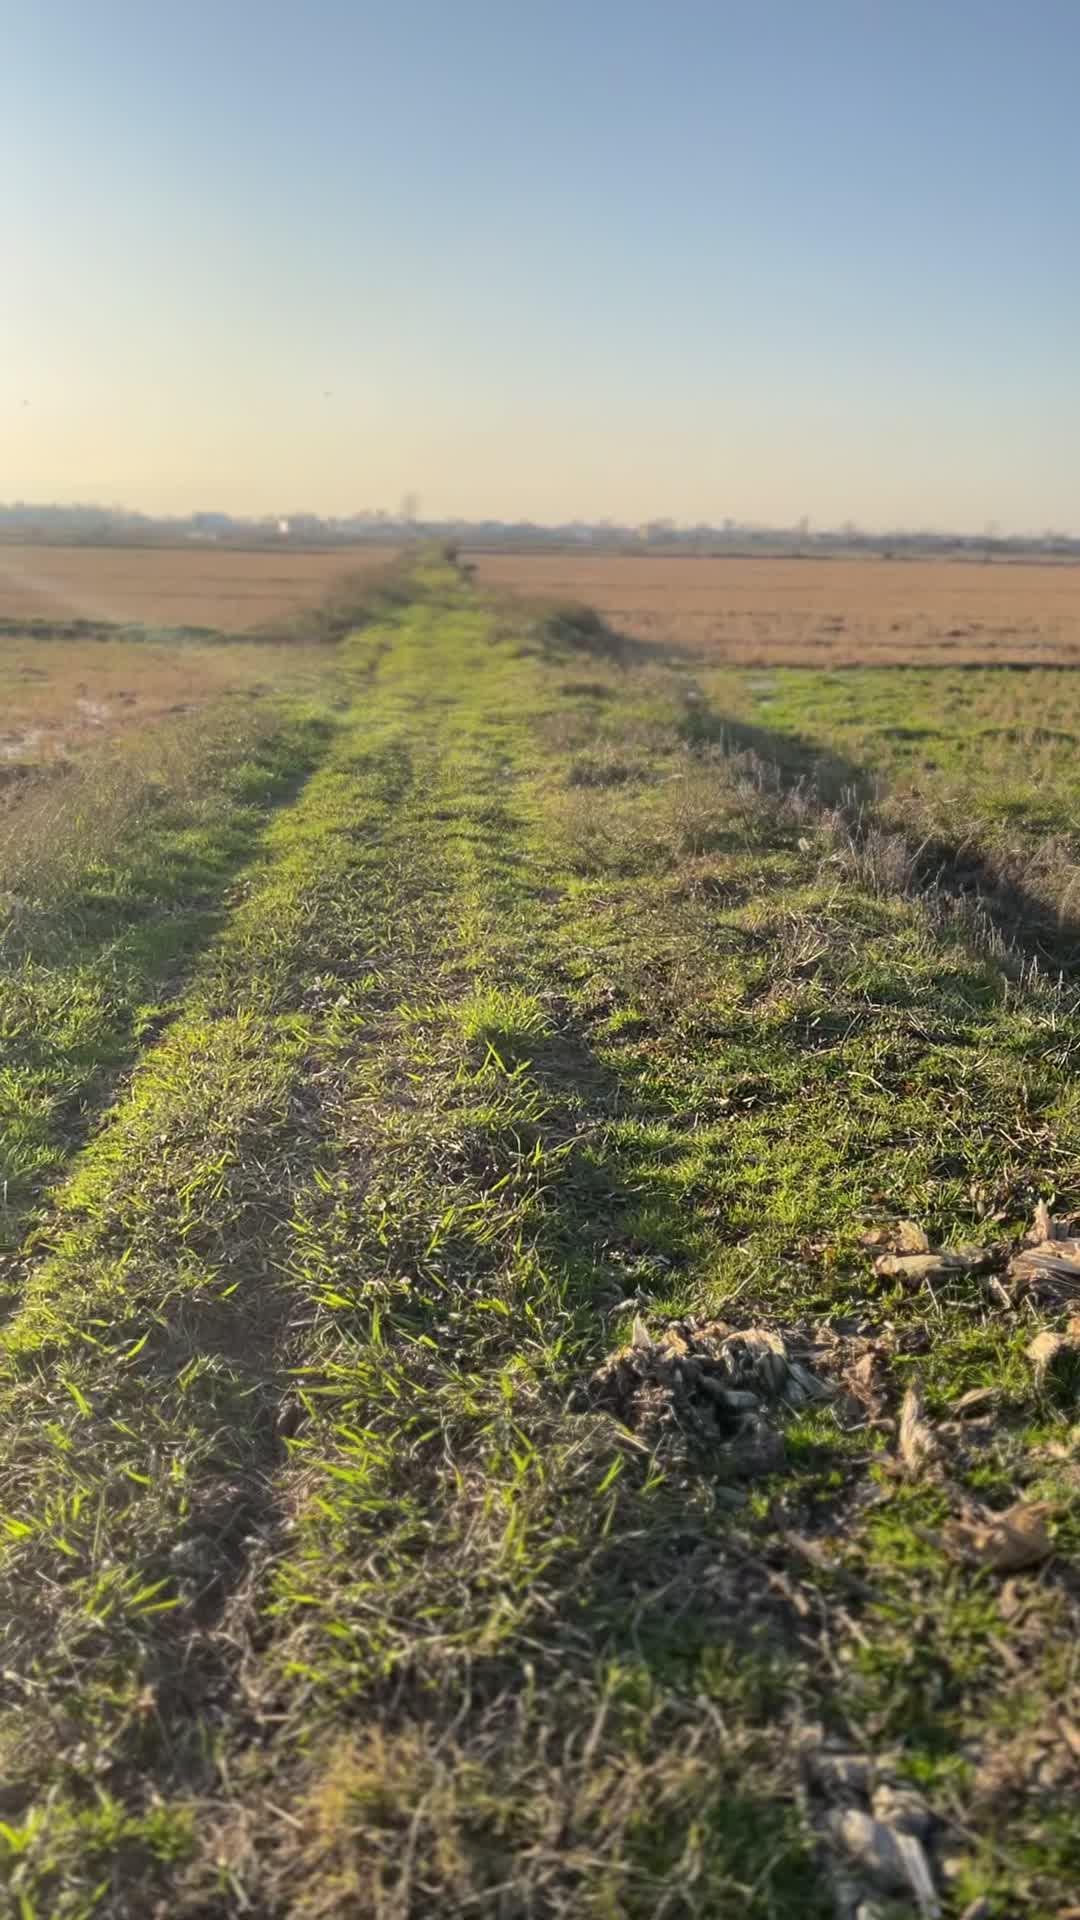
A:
59,695
810,612
196,586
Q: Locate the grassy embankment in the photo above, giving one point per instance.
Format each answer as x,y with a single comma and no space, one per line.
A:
532,1006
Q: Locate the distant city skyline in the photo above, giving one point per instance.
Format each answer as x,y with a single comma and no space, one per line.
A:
550,264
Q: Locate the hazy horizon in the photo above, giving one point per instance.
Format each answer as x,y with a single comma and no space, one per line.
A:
702,265
805,528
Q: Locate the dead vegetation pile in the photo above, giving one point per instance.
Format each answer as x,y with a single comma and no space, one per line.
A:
1043,1272
711,1393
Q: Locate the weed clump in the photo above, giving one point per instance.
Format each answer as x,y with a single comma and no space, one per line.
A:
506,1023
579,629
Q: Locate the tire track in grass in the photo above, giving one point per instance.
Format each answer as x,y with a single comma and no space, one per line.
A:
469,1579
83,990
144,1373
92,971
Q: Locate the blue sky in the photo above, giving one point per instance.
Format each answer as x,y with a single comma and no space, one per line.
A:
767,259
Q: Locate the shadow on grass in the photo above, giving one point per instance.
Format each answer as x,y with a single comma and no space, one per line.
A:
563,634
976,878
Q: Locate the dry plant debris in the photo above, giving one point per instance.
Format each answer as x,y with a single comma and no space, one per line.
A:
1047,1269
917,1445
1049,1349
916,1268
713,1389
1003,1542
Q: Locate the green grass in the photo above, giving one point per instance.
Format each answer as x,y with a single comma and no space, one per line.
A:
531,1001
977,767
118,876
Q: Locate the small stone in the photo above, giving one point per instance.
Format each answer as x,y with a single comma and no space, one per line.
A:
902,1807
895,1859
871,1844
810,1386
757,1450
733,1497
733,1399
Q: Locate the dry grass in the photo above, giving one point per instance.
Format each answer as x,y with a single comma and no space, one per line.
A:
53,823
195,586
814,612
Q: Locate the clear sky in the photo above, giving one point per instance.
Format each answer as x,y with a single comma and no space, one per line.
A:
587,257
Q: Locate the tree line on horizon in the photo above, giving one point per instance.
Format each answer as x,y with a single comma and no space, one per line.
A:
89,523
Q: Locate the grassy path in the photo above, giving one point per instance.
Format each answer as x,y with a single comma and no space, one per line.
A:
330,1585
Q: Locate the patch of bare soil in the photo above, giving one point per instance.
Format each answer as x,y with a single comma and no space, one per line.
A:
225,588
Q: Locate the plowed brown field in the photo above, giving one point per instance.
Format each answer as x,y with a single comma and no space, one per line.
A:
196,586
816,612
